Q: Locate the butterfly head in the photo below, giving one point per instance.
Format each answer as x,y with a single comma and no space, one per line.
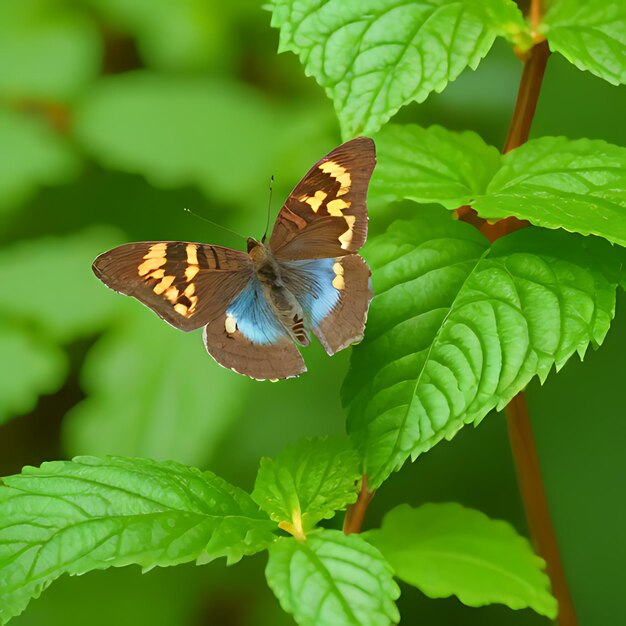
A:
257,250
253,243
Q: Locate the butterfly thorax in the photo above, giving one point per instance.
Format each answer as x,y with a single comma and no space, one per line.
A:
284,304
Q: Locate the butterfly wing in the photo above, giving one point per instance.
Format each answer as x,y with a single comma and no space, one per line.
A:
186,284
249,339
335,295
191,285
325,216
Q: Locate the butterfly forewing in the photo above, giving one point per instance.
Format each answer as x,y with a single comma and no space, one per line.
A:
187,284
326,215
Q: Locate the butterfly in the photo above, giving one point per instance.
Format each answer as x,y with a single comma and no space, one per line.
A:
256,308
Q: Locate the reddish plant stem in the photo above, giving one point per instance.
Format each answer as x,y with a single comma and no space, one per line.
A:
520,432
527,96
534,13
355,514
536,504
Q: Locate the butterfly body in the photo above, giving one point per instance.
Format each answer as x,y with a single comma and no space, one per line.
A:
257,306
281,300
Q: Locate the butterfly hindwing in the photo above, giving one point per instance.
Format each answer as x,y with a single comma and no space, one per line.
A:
335,294
226,343
187,284
325,215
250,339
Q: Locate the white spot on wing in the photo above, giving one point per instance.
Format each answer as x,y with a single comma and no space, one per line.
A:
230,324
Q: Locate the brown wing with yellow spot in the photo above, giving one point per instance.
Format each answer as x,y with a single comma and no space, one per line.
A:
187,284
326,214
345,324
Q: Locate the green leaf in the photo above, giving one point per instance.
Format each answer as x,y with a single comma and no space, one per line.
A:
591,34
36,368
309,481
185,130
38,157
447,549
505,18
89,513
153,391
375,56
457,328
332,579
45,52
432,165
555,182
48,283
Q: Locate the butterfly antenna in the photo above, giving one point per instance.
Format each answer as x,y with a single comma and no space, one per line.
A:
204,219
269,206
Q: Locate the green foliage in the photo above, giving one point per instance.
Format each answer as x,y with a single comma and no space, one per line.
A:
447,549
504,18
578,185
90,513
37,367
432,165
45,52
153,401
172,95
157,126
458,328
591,34
557,183
309,481
332,579
376,56
38,157
182,36
57,272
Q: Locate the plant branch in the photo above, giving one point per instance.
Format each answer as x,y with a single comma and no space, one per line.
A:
534,13
536,504
356,512
520,431
527,96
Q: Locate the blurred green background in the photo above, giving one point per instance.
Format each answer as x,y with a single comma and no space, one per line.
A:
114,116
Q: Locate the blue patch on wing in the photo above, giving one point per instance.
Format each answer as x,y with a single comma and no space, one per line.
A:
312,284
255,319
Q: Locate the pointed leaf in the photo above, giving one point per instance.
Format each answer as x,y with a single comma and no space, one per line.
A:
555,182
332,579
375,56
457,328
89,513
432,165
307,482
591,34
447,549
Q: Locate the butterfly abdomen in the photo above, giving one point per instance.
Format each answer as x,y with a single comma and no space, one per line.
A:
282,301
